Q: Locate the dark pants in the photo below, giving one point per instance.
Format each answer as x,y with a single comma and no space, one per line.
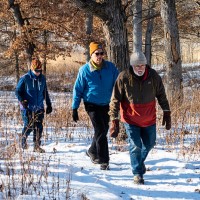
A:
32,122
100,121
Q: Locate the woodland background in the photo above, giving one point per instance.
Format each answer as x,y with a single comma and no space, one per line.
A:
59,31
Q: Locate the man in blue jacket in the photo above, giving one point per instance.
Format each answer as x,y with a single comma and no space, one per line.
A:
94,84
31,91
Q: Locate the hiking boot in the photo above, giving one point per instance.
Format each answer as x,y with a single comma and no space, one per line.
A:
138,179
38,149
104,166
92,157
25,146
24,143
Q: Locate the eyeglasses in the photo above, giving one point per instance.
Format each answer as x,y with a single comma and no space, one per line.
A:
99,53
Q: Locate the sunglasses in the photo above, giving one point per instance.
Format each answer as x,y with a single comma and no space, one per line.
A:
38,70
99,53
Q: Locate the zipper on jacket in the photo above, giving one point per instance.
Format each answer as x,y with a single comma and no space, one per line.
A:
36,90
99,74
140,86
141,95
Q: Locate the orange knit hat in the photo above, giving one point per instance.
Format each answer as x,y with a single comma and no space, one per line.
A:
36,65
94,46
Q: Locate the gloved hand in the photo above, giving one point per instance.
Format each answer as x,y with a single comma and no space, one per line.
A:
48,109
167,119
75,115
24,104
114,129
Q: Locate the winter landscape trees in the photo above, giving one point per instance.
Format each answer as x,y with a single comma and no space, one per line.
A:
59,31
52,28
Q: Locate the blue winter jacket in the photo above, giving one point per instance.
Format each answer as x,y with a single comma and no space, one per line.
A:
33,89
94,86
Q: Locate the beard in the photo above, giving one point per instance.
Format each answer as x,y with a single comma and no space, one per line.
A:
141,73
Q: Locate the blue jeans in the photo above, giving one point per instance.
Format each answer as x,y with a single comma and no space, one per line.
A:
141,141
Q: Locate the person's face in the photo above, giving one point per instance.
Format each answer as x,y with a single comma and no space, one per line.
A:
139,69
37,72
97,56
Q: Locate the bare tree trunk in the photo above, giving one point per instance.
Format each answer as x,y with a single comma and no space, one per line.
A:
116,35
21,22
45,51
117,44
89,29
137,25
16,59
17,66
148,47
172,49
114,18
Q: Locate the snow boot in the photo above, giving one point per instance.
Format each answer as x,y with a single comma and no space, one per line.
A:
138,179
38,149
104,166
92,157
24,143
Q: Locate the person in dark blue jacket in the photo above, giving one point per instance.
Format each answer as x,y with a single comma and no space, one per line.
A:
94,84
31,91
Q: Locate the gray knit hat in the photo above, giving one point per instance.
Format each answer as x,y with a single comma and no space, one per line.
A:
138,58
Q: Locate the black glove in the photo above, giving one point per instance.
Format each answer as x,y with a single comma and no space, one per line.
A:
48,109
75,115
24,104
167,119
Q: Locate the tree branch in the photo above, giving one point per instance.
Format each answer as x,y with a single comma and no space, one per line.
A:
16,12
97,9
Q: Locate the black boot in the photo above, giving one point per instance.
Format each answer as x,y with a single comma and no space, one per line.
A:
104,166
93,157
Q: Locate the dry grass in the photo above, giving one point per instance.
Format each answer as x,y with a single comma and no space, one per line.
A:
184,137
61,73
63,65
28,174
21,169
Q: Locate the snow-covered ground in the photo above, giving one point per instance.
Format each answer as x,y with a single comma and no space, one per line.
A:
167,177
65,172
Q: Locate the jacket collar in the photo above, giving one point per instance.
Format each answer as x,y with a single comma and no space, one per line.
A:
92,67
33,76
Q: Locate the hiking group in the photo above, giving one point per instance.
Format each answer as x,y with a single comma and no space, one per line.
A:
129,97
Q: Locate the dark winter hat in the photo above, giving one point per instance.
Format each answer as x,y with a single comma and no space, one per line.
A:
94,46
36,65
138,58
